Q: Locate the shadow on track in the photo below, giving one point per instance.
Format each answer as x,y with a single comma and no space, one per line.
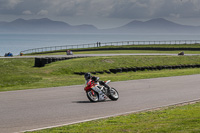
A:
81,102
91,102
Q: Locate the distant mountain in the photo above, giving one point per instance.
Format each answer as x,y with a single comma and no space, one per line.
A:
159,25
43,25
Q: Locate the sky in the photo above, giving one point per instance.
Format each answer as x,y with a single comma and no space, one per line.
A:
102,13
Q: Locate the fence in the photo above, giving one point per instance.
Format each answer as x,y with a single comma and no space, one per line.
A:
65,47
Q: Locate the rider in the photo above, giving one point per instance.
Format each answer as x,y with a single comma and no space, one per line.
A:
90,80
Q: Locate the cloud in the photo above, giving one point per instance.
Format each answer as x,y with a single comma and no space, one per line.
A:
175,15
127,9
27,12
9,4
42,12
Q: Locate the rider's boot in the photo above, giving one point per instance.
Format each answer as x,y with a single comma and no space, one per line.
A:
108,87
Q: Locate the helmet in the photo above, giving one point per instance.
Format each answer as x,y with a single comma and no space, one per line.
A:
87,76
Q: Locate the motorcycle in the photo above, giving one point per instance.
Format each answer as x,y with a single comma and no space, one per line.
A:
94,94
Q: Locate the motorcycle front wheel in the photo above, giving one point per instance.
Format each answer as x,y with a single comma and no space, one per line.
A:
92,96
114,95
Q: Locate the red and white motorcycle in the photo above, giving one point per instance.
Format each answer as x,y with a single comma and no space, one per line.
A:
95,89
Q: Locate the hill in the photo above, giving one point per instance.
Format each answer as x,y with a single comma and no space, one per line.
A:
159,25
43,25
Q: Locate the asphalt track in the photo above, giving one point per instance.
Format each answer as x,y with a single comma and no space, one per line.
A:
92,55
49,107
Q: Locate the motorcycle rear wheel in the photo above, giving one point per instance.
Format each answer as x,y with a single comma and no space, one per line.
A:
92,96
114,95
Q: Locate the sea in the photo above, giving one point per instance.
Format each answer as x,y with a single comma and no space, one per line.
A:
15,43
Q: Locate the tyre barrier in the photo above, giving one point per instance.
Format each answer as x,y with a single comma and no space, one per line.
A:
41,62
106,71
135,69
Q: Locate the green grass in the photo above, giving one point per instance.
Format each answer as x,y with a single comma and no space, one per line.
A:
17,74
182,119
133,52
106,63
162,46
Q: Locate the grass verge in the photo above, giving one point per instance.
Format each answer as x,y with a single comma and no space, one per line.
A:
134,52
17,74
181,119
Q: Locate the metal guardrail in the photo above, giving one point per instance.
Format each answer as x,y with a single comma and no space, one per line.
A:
99,44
